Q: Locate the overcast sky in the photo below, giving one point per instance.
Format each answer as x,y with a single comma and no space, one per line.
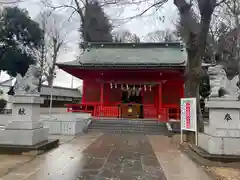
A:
149,22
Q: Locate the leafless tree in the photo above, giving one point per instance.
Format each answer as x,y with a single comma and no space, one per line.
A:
78,7
125,36
56,31
231,10
196,43
161,36
43,17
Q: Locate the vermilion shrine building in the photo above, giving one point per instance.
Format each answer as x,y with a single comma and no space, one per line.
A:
127,80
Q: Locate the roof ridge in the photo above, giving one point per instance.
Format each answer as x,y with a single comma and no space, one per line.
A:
176,44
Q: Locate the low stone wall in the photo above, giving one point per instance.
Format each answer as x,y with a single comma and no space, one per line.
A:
66,124
62,124
45,110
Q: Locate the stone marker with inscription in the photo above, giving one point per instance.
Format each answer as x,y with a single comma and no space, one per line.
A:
222,133
25,129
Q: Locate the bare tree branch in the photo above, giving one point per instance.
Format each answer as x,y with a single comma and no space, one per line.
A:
157,4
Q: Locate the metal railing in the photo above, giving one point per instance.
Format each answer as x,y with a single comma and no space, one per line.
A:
149,111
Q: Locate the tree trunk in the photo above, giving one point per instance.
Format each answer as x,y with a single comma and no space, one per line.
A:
192,78
50,80
196,45
41,67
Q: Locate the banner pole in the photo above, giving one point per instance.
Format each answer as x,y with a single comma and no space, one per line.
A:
196,138
196,125
181,136
181,122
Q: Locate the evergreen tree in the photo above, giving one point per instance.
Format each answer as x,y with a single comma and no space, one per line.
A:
96,26
204,87
20,38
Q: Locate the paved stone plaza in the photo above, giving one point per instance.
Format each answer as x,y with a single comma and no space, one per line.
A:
97,156
121,157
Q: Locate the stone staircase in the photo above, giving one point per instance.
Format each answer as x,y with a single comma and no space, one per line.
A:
128,126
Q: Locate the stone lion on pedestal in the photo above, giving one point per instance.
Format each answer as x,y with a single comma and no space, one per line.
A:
220,85
28,85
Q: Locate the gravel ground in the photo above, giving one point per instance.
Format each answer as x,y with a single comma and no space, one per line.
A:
222,173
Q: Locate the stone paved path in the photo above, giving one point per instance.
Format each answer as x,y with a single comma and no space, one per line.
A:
111,156
121,157
175,164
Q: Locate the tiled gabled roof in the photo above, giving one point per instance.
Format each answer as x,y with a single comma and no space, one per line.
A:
130,54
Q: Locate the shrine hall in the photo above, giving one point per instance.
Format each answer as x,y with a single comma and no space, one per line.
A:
128,80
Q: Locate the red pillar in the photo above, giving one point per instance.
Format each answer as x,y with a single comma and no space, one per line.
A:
83,91
160,95
160,105
101,98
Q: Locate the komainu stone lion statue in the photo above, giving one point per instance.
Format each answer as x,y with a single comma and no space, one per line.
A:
220,85
28,85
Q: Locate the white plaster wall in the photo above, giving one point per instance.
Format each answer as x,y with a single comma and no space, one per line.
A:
66,124
66,116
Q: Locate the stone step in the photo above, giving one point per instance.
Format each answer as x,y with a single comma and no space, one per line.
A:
126,121
129,131
129,128
132,126
128,125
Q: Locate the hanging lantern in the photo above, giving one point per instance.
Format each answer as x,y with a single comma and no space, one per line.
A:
145,88
111,85
150,88
115,85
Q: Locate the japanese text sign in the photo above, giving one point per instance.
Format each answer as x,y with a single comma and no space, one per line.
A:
189,114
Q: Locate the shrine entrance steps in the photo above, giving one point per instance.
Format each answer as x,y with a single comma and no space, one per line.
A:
128,126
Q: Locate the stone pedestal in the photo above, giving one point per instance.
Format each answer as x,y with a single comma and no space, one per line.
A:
222,133
24,128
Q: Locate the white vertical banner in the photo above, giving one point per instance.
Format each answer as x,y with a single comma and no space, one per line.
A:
188,116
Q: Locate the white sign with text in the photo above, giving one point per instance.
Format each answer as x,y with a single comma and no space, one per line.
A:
188,115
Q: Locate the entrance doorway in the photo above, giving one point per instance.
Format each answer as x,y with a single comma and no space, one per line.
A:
131,102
